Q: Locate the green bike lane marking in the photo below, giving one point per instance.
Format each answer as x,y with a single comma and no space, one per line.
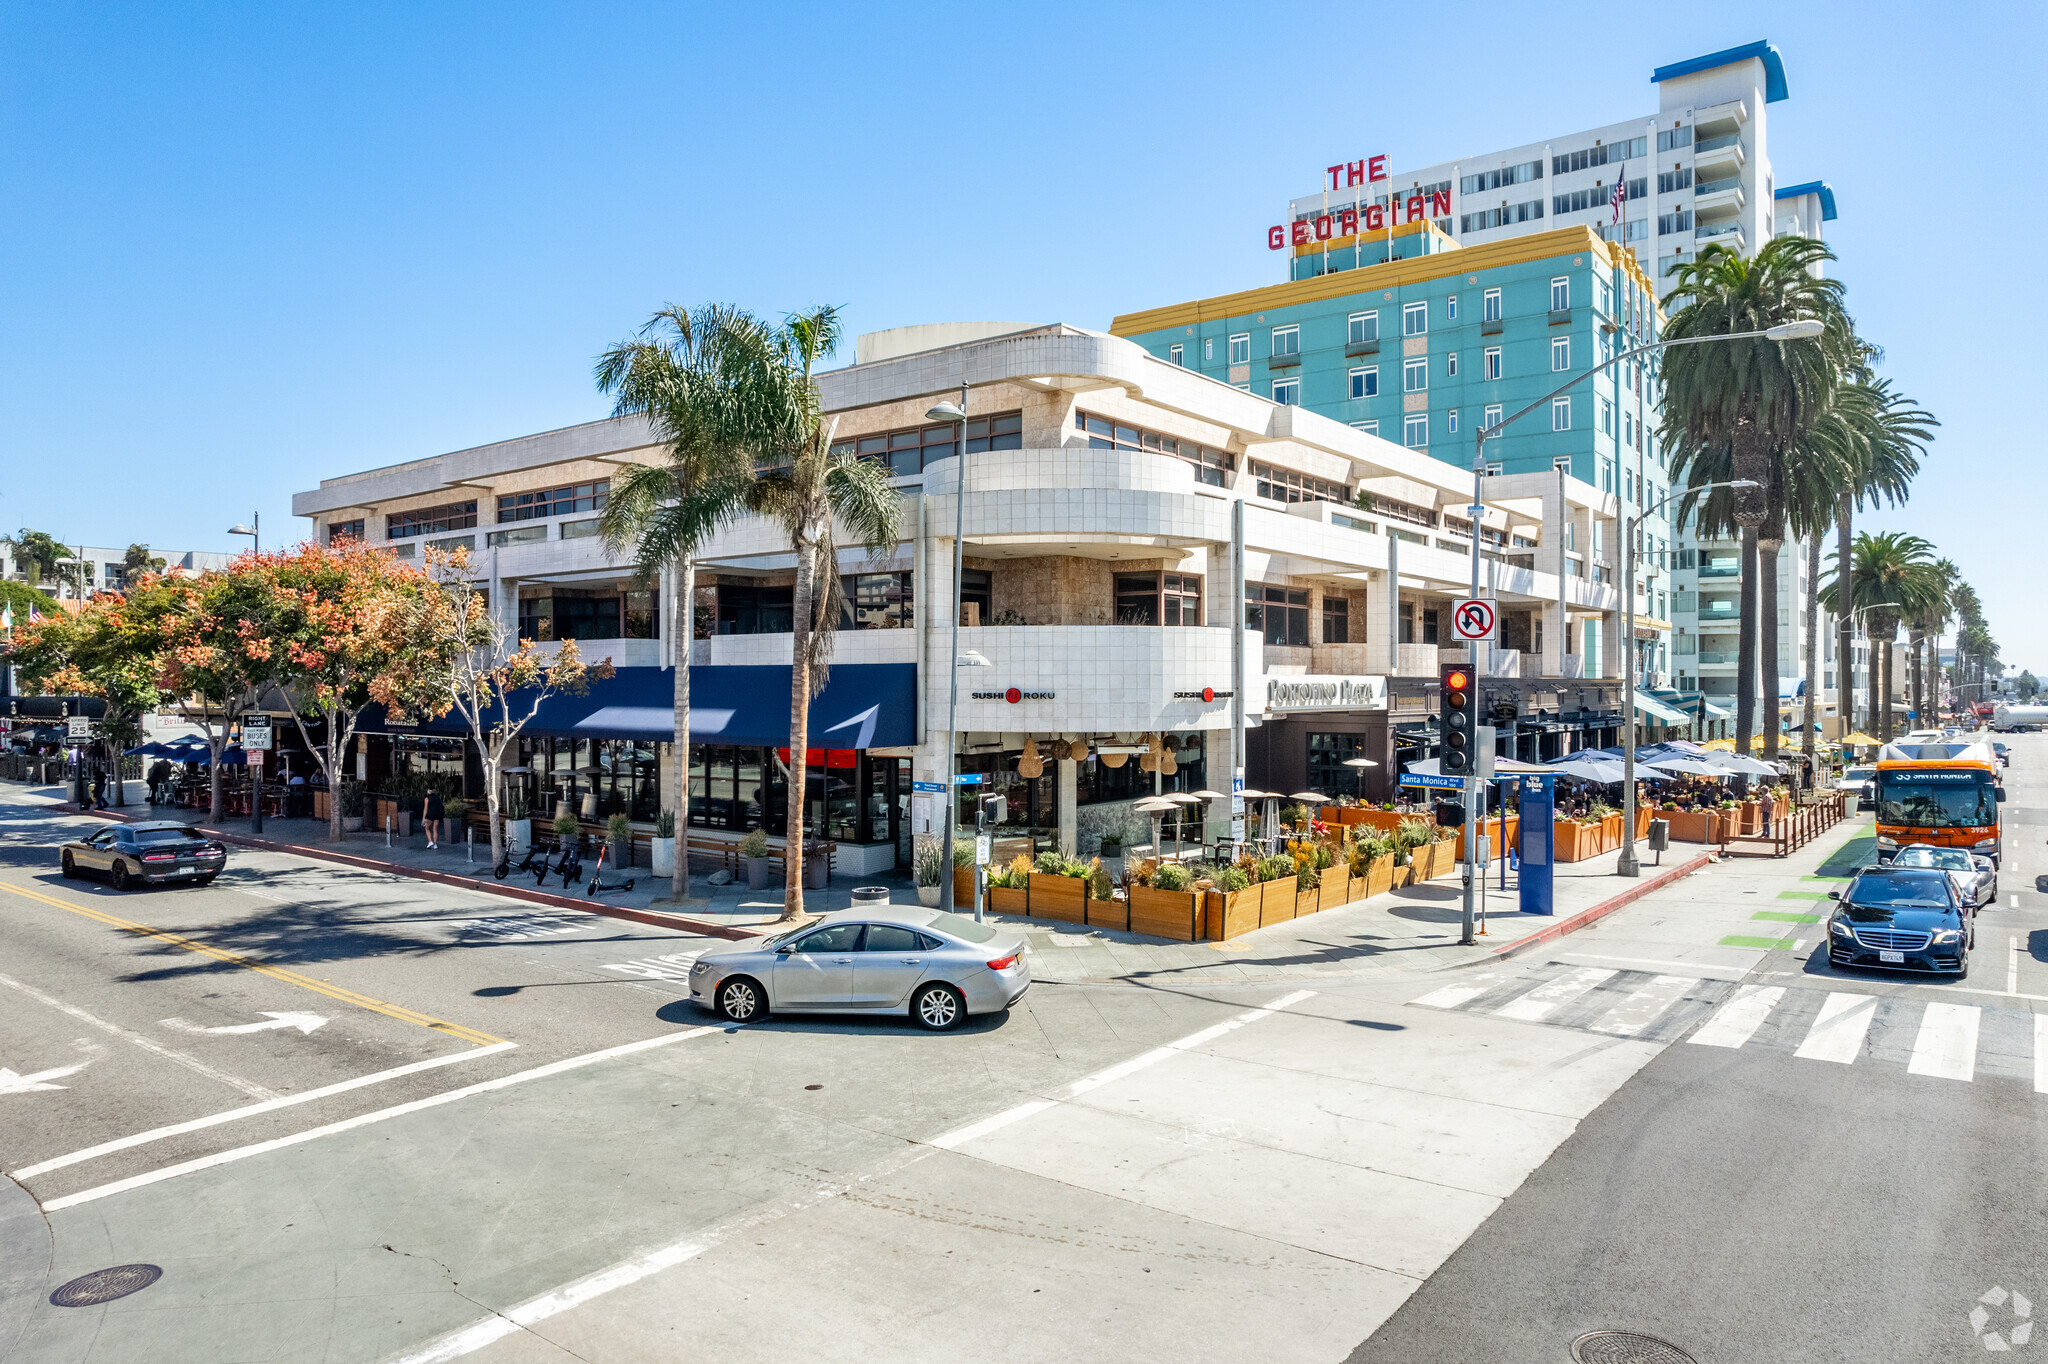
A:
1778,917
1767,944
1802,895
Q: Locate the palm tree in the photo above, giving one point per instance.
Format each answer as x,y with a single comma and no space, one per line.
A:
1891,578
1895,436
1923,633
663,513
811,490
1746,399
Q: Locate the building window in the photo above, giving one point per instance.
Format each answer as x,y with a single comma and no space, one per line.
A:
1364,327
1451,365
1494,469
1493,362
1561,414
523,535
1606,417
1336,619
1670,139
1241,349
1408,624
1285,485
1287,340
1491,417
579,497
1415,431
568,614
1208,349
578,530
1287,392
910,450
1672,181
453,543
1560,353
1519,174
1158,599
1279,614
1176,356
1371,428
1414,319
1489,306
430,520
337,531
1103,434
1451,422
1365,382
1327,754
1451,308
877,601
1415,375
977,589
1560,294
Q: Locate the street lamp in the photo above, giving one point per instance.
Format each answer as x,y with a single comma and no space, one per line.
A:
1802,330
1628,864
954,412
254,532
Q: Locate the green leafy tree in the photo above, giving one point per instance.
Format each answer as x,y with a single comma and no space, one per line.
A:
1891,577
138,561
18,599
37,553
103,651
2026,686
1748,399
209,638
661,514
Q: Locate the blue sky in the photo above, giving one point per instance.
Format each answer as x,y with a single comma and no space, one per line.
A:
251,246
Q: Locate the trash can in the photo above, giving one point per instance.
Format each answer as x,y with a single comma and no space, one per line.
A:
1660,835
817,867
865,897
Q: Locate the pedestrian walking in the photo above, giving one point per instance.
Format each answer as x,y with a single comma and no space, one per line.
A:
432,812
99,787
1769,807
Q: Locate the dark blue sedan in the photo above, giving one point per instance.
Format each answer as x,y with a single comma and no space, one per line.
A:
1901,919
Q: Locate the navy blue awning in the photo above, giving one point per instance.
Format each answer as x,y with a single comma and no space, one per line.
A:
864,705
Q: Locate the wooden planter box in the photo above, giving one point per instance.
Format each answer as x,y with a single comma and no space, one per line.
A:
1643,816
1610,830
1276,901
1569,841
1379,875
1752,818
1690,826
1437,859
1003,900
1107,914
963,889
1335,888
1400,875
1064,898
320,807
1306,902
1166,913
1231,914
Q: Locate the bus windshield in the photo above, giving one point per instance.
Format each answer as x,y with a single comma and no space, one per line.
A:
1935,798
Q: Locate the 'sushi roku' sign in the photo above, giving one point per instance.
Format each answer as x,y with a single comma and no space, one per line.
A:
1346,222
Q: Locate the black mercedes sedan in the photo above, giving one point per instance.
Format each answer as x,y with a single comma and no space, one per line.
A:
147,853
1901,919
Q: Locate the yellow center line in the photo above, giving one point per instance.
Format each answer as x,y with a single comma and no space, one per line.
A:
321,987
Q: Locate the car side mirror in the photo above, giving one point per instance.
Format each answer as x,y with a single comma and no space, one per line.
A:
785,949
1834,895
1998,794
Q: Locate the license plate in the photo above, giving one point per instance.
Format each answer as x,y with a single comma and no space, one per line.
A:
1891,956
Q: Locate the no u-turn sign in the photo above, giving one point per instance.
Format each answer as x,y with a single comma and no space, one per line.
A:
1472,618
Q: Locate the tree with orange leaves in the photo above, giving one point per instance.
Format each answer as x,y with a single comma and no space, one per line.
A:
349,625
103,650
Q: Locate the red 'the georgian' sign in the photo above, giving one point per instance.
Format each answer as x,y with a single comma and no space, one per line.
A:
1346,222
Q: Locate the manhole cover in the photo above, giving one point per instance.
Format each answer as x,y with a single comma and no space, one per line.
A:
105,1285
1626,1347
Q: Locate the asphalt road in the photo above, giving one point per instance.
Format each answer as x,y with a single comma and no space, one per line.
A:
1749,1202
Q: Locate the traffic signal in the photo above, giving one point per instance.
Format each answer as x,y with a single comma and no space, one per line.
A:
1458,721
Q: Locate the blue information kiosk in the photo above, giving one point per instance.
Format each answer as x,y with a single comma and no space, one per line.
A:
1537,839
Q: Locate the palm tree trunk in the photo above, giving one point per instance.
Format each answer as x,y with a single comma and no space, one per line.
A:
1767,547
799,729
1885,715
1845,623
1745,648
1914,639
1876,683
1810,716
682,634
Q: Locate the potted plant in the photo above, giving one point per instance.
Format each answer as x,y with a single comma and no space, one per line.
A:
662,848
1275,879
618,832
1113,846
351,806
754,853
518,824
930,868
455,814
567,830
1009,887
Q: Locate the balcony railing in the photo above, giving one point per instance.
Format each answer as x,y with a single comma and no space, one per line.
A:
1714,144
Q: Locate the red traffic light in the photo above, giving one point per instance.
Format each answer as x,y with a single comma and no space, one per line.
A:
1457,681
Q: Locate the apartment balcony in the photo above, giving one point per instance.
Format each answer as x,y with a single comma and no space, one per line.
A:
1729,235
1720,570
1718,156
1717,198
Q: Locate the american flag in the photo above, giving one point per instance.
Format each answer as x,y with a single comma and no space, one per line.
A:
1620,196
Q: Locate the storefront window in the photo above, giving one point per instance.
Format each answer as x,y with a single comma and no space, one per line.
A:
1326,756
563,616
1097,783
752,610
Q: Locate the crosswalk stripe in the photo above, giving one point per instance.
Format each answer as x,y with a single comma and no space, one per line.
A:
1641,1007
1947,1045
1540,1002
1451,996
1837,1035
2041,1053
1737,1021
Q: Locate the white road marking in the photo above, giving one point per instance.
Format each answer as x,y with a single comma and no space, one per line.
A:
269,1106
1737,1021
192,1063
365,1119
518,926
1542,1001
2015,902
675,966
304,1022
11,1083
1643,1005
1451,996
1652,961
959,1136
1947,1045
1837,1034
2041,1053
2012,965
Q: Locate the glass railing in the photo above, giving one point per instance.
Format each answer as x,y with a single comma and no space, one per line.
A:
1726,230
1720,570
1716,186
1714,144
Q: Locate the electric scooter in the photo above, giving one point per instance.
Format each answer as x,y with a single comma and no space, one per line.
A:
600,886
533,850
570,867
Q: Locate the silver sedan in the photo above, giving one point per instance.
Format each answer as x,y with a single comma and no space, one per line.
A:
1975,878
938,967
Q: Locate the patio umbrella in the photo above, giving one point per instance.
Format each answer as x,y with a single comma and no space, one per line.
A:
1689,766
1857,740
149,751
1748,767
1586,768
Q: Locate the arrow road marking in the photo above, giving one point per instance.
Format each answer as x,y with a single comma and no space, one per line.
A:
10,1083
305,1023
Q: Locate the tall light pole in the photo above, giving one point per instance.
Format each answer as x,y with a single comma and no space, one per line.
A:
949,412
254,531
1804,329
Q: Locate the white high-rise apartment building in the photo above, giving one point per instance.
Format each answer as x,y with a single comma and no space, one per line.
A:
1697,170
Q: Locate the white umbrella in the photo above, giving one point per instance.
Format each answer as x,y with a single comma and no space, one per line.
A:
1691,767
1732,762
1588,768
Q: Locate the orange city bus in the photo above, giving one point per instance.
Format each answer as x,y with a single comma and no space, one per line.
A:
1944,794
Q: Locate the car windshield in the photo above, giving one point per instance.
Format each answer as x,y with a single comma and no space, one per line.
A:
963,928
1858,774
1933,857
1936,798
169,836
1900,892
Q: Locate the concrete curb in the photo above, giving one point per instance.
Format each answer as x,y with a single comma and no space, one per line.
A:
1603,909
654,918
